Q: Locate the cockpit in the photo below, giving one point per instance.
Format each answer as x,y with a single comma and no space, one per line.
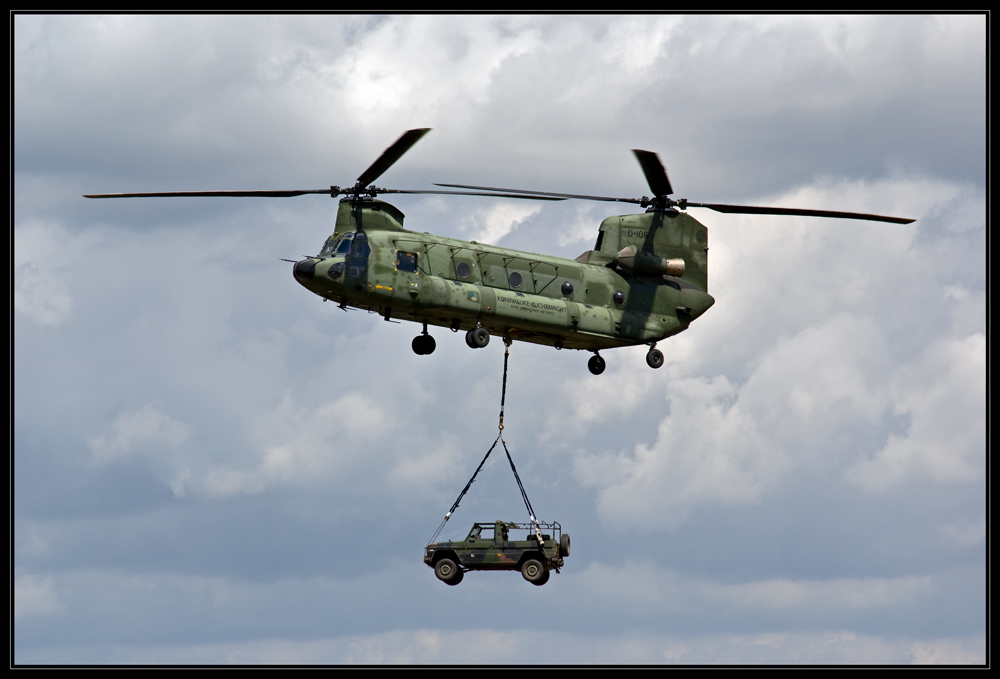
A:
337,245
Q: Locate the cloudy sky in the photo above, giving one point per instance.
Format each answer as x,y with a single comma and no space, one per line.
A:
213,466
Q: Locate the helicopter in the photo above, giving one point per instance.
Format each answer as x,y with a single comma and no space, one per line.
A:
645,280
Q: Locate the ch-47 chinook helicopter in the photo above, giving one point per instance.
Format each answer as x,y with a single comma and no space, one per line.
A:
645,280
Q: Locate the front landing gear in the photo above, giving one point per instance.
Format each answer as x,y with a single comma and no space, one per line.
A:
596,364
423,344
654,357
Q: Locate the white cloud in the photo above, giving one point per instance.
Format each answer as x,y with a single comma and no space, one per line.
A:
477,646
709,450
491,224
965,533
647,589
34,596
945,395
134,431
41,276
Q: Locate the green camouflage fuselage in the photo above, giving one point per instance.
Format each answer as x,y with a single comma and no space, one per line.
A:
600,300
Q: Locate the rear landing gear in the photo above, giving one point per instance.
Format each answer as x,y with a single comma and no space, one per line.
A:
596,364
423,344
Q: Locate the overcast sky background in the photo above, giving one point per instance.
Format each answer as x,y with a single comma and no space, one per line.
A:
213,466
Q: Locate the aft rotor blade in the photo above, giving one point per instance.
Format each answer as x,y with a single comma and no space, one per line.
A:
231,194
391,155
464,193
655,173
525,193
752,210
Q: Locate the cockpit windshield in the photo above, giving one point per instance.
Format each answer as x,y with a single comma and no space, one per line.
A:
345,244
337,245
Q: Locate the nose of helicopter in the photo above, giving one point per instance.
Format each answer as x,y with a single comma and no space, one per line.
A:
305,272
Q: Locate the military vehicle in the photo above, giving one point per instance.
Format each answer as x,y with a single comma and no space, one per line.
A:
493,547
645,280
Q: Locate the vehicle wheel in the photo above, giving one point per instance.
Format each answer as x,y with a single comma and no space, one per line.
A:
654,359
544,579
564,545
596,364
448,572
477,338
533,571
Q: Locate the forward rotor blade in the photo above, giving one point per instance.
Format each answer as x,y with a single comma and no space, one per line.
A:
391,155
752,210
230,194
525,193
655,173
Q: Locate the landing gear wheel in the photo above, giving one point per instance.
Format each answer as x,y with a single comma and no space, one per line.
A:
477,338
448,572
654,358
596,364
534,572
423,345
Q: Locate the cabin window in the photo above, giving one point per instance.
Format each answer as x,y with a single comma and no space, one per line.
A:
567,288
515,279
619,297
406,261
463,270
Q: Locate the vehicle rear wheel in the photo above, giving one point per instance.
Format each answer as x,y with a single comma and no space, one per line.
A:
448,572
534,572
545,578
564,545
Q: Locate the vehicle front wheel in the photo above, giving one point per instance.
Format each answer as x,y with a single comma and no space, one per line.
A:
534,572
448,572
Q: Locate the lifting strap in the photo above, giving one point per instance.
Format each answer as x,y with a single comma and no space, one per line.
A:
499,438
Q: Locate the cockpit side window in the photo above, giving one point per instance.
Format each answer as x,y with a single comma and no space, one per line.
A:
329,246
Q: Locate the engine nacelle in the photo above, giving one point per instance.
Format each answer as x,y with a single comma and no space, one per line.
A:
640,263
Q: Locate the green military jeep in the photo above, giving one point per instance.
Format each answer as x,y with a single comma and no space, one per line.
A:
493,547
